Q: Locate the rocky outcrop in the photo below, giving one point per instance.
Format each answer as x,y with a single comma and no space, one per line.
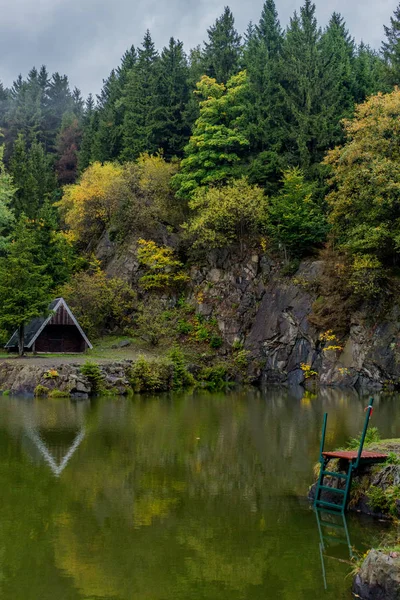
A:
258,307
378,577
22,378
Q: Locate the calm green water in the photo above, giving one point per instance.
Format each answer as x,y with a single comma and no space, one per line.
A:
173,498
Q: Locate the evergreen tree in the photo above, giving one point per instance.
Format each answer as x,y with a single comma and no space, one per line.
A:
89,126
25,289
107,143
107,139
263,113
301,77
391,48
33,176
78,104
67,146
269,30
3,104
369,74
52,247
196,70
295,222
218,143
221,55
58,102
139,103
170,128
7,191
337,50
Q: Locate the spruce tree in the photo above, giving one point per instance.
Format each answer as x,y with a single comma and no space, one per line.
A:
300,68
170,127
33,176
139,103
263,113
221,56
369,74
7,191
107,139
337,51
89,126
25,288
391,48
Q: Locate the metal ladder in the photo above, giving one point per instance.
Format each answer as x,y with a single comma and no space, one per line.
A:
344,494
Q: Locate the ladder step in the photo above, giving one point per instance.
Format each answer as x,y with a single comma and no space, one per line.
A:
329,504
334,525
330,489
337,539
332,474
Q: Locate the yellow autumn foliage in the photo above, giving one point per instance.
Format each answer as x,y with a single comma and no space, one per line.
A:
87,206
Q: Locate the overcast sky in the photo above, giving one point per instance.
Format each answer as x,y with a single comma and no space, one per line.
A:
85,39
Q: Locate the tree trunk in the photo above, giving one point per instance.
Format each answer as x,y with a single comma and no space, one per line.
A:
21,340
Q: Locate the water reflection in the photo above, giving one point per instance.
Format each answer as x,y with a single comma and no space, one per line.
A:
333,531
186,496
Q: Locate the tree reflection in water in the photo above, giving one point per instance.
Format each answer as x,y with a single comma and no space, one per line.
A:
175,497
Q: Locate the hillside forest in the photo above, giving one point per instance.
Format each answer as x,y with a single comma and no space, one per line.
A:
283,141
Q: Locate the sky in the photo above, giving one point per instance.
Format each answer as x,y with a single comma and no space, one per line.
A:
85,39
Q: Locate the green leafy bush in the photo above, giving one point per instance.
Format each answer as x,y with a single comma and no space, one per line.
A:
41,391
216,341
150,375
214,378
181,376
372,437
92,372
384,501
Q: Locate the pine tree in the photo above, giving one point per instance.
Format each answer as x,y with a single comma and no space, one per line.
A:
25,288
391,48
221,55
337,51
4,98
52,247
78,104
300,76
369,74
33,176
139,103
58,102
89,126
170,127
263,110
269,30
67,146
107,141
7,191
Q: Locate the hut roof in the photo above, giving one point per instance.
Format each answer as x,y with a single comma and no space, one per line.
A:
36,326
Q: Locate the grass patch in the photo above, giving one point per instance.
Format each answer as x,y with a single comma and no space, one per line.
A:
58,394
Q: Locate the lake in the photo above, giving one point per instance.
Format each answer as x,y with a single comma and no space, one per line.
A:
178,497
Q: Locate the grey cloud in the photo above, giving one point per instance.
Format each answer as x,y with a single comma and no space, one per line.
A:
86,38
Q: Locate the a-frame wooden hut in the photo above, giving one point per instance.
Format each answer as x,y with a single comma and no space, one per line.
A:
60,332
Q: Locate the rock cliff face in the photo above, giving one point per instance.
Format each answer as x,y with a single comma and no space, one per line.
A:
255,305
269,313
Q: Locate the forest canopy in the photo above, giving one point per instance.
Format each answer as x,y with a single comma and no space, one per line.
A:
286,138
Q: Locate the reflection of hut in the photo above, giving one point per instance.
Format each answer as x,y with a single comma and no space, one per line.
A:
49,432
57,333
